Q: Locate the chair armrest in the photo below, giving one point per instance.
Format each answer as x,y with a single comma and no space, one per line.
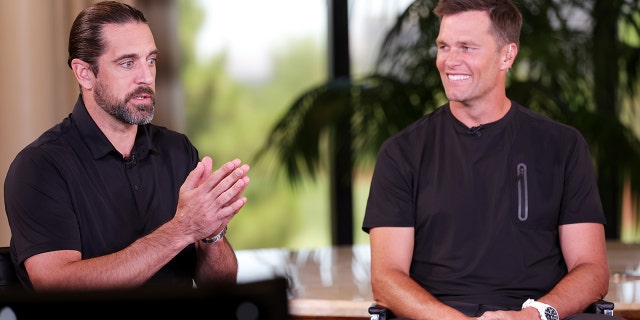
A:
602,307
380,313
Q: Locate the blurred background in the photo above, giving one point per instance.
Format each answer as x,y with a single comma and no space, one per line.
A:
306,91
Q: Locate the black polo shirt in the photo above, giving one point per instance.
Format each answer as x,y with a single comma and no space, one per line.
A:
486,205
71,190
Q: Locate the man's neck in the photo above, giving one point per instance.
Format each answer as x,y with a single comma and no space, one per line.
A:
476,114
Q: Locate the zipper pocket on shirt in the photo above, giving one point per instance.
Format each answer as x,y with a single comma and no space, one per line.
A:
523,194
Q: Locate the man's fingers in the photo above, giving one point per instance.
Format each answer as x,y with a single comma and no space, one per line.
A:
208,163
193,179
233,193
234,207
223,178
226,169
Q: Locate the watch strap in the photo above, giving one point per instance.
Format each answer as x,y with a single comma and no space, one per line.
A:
546,311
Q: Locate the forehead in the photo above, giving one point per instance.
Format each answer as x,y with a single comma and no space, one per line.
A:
127,39
468,26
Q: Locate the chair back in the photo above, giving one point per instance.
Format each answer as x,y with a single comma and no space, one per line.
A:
8,277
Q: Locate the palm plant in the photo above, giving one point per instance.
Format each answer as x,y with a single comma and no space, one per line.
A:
573,66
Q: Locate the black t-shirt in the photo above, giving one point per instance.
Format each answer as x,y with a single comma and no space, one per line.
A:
71,190
485,205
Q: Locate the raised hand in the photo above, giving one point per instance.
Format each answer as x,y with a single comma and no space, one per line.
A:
209,200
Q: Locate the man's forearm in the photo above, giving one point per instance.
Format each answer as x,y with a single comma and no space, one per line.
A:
583,286
217,262
127,268
407,299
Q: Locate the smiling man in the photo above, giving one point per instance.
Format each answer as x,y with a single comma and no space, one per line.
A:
484,208
105,199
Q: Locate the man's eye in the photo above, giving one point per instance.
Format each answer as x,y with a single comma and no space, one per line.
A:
152,61
127,64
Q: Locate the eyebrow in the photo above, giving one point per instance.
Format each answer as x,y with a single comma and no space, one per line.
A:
133,55
458,43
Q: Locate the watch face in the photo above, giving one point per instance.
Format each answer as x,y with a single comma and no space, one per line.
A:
550,314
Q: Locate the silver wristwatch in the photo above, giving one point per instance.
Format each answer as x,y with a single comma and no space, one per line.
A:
546,311
217,237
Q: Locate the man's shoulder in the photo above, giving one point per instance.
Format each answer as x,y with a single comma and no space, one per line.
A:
162,134
535,115
424,123
51,140
539,121
42,158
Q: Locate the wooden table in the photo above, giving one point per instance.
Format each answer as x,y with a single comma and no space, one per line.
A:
334,282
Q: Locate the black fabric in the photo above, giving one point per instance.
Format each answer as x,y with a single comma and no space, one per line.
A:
485,207
71,190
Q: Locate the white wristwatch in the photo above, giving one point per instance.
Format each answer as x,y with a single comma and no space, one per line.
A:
546,311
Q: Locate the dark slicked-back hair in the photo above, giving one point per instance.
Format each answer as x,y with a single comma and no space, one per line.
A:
506,19
86,41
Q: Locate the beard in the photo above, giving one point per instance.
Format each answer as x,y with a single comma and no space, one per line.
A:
123,109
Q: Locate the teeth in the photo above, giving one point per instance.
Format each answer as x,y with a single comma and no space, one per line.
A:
458,77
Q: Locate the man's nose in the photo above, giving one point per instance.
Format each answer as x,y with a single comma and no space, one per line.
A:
146,74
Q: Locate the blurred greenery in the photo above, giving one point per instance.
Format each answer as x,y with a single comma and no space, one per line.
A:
229,119
579,63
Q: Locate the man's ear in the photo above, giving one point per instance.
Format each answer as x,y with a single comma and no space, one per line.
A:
510,53
84,74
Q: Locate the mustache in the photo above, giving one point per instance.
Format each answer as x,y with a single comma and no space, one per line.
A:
141,90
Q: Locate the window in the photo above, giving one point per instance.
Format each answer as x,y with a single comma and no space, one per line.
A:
244,64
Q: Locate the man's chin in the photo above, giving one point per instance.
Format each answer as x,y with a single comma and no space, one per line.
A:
146,120
140,118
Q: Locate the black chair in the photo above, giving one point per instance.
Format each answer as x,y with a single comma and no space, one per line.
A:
8,278
381,313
